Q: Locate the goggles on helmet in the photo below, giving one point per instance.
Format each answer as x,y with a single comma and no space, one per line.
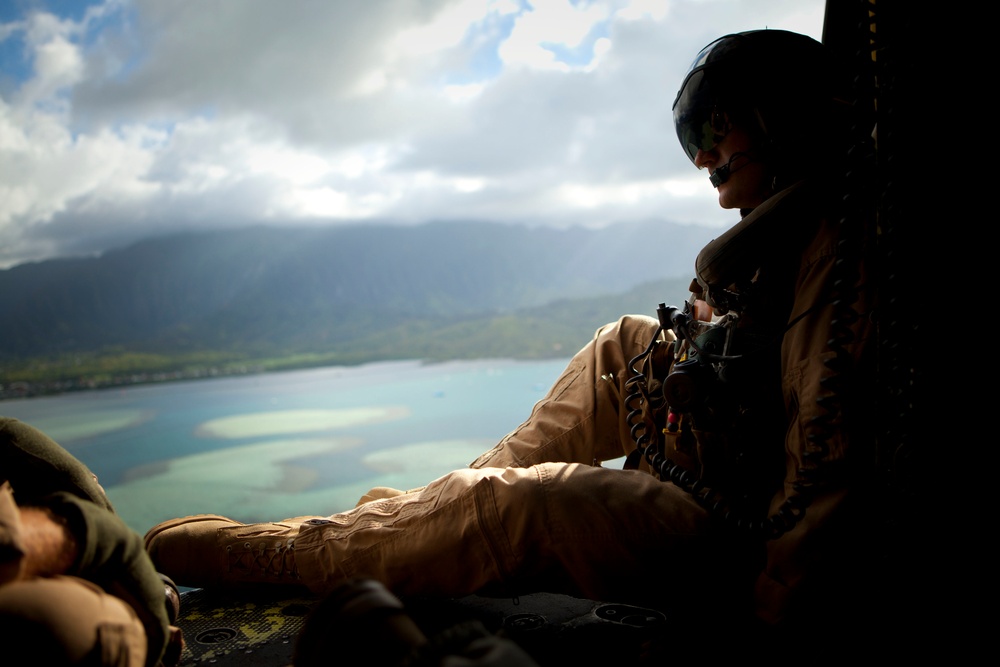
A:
701,122
702,129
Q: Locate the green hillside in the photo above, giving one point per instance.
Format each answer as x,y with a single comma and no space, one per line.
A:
222,303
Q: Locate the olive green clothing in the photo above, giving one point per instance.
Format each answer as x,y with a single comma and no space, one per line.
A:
82,611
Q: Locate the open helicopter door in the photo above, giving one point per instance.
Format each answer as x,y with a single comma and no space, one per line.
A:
880,39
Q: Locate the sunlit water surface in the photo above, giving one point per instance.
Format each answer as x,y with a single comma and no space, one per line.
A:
276,445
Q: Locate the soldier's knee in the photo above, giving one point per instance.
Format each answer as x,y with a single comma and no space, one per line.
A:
36,465
69,621
542,496
627,336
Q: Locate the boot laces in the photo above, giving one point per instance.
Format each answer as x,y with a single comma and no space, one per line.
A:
263,560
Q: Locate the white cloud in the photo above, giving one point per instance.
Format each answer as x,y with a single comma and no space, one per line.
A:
44,168
202,113
637,10
550,23
590,196
57,63
443,31
464,93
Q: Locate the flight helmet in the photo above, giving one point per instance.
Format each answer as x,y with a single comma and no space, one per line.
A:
781,87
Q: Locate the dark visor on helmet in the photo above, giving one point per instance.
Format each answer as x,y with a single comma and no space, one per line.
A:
699,122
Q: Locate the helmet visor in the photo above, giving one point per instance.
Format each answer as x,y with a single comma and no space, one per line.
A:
700,123
698,118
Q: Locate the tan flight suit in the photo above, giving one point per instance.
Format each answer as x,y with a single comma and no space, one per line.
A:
536,513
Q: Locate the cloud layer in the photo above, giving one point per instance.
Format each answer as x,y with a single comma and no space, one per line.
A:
126,119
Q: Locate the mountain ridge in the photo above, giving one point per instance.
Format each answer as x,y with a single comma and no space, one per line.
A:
265,291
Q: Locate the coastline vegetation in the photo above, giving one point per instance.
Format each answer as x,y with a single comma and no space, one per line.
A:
555,330
506,337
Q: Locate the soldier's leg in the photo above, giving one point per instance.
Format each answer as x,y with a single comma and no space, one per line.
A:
67,535
37,466
578,529
581,419
599,533
69,621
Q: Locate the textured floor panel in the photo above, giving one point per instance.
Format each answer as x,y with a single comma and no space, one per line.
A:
225,629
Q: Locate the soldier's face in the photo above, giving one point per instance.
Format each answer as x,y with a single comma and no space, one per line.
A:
747,185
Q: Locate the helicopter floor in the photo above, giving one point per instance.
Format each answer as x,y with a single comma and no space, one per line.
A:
222,629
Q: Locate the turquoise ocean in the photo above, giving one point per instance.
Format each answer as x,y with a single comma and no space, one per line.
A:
275,445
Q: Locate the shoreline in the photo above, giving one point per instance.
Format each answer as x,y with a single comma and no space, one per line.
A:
25,390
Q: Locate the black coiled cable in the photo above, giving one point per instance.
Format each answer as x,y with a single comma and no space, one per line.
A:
844,295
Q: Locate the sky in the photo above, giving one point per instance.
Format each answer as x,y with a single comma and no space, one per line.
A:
123,119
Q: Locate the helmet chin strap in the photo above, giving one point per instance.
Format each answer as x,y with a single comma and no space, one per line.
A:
722,174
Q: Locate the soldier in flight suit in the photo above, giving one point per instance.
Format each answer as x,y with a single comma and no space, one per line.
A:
741,496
